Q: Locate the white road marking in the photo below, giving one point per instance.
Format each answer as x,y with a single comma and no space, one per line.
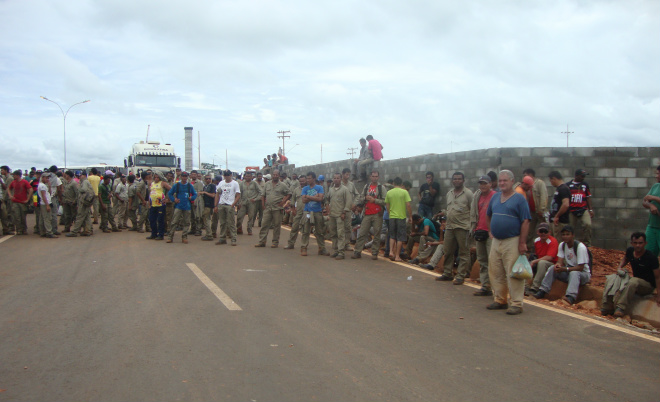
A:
222,296
590,320
5,238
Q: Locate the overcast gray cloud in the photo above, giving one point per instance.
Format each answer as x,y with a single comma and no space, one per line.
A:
421,76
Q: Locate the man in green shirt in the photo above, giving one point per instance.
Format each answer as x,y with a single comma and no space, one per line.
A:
652,203
397,202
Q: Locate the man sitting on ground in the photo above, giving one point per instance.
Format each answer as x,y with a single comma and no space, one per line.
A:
424,232
572,267
646,276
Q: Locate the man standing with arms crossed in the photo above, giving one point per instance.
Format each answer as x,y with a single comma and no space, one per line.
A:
274,196
339,207
508,220
226,198
248,206
373,197
312,197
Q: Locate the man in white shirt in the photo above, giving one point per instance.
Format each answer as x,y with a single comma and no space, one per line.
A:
56,190
227,196
572,267
45,207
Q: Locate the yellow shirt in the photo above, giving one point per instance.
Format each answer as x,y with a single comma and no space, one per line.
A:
94,181
156,194
520,190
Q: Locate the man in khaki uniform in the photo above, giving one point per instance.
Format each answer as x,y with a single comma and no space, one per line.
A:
121,201
250,194
539,201
459,203
85,201
297,210
260,210
141,192
169,206
346,182
133,203
197,207
338,202
69,200
5,211
274,196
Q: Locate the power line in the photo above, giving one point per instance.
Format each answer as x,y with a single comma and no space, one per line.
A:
351,151
282,136
568,133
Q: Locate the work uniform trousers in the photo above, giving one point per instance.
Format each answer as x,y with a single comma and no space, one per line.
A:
250,209
96,208
374,221
503,254
316,219
583,222
45,221
143,222
157,221
227,218
120,212
296,225
260,212
54,209
5,215
182,218
456,239
214,223
556,229
169,213
272,217
348,230
83,218
69,214
483,251
19,212
541,269
337,234
533,223
206,221
132,216
107,218
636,286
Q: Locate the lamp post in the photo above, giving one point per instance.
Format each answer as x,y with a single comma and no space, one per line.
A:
64,116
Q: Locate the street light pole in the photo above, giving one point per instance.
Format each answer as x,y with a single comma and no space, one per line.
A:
64,114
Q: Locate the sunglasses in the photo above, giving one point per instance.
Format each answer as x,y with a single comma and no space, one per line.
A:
543,230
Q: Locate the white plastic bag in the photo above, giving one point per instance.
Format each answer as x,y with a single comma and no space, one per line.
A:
521,269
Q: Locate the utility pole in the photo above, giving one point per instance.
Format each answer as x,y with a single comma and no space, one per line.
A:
282,136
199,151
351,151
568,133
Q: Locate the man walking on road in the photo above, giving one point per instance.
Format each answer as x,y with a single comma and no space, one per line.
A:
182,193
508,219
274,196
226,198
373,197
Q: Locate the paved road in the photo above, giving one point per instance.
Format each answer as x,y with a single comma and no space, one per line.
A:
117,318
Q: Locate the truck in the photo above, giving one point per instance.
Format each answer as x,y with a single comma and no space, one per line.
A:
151,155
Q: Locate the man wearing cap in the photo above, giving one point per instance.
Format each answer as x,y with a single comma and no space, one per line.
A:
580,207
226,198
274,196
545,256
20,193
538,203
480,231
106,216
260,210
250,197
181,194
208,194
69,200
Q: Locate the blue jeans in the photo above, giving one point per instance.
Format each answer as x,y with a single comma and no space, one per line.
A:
157,221
425,211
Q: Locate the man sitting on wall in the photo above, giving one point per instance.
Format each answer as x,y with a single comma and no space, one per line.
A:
646,276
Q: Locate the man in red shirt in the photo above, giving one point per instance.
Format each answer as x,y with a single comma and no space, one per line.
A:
375,147
545,249
20,193
373,198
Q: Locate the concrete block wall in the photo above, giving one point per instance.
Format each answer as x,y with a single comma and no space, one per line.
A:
618,177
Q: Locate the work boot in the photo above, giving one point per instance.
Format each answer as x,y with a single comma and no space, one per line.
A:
356,255
289,247
303,252
324,252
72,235
185,241
221,241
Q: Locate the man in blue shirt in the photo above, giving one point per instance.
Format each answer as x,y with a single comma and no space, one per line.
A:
181,194
508,220
312,197
423,232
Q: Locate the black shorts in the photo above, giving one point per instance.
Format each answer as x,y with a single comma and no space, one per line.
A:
398,229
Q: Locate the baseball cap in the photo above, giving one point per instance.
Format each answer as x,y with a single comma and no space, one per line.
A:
581,172
267,176
528,180
543,225
184,173
321,177
485,178
109,173
226,173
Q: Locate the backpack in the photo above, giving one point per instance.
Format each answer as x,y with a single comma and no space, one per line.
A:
589,255
178,188
379,190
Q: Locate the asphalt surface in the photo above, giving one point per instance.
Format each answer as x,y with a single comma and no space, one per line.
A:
115,317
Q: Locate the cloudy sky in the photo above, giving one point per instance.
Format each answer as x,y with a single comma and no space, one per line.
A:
421,76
